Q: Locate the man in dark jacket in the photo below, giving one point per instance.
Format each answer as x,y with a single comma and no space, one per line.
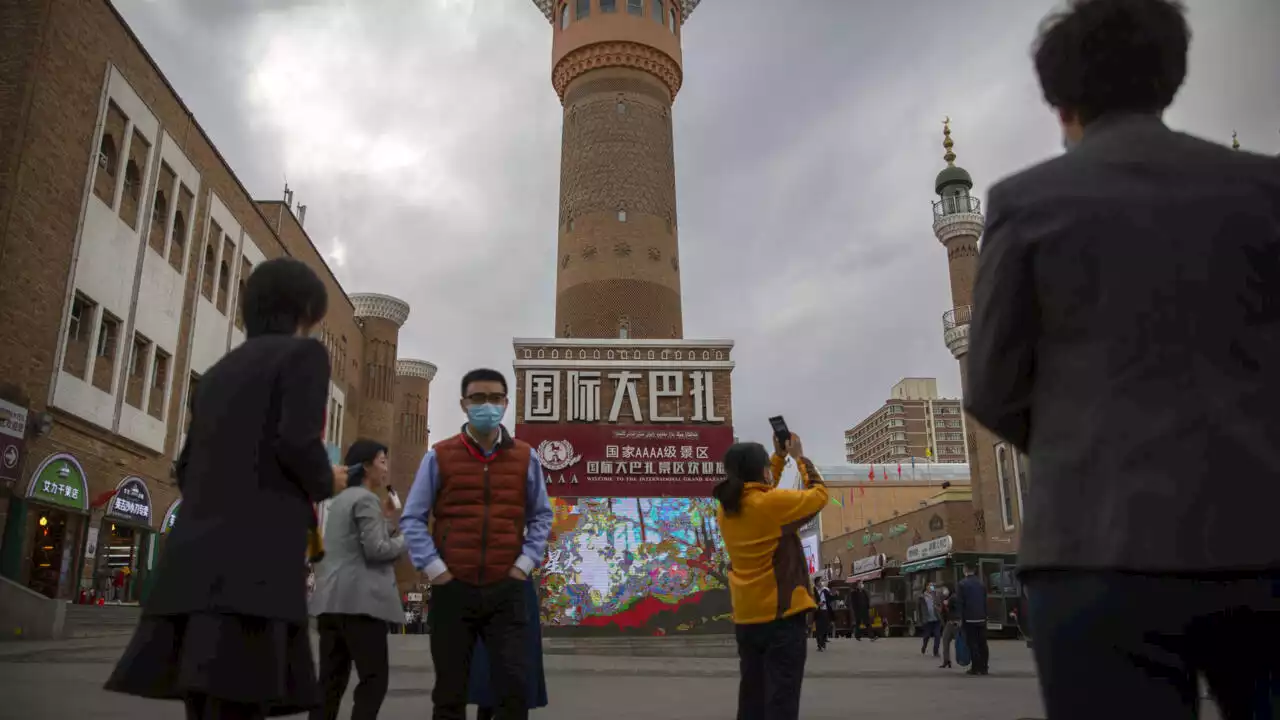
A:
1126,335
861,602
971,604
487,495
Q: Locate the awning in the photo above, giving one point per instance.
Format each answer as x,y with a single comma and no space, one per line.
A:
929,564
872,575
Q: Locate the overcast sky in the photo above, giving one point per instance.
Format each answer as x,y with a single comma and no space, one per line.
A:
424,136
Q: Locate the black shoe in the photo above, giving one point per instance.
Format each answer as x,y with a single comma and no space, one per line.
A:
971,671
945,665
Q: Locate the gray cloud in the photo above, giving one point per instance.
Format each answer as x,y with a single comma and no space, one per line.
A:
424,136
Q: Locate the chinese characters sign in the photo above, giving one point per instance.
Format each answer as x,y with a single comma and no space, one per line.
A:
13,434
60,481
132,501
655,396
171,516
630,460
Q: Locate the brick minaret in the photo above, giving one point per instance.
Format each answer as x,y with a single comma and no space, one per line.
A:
412,392
380,317
958,224
616,65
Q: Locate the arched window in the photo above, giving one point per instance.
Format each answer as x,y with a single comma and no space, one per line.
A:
1004,468
159,217
657,6
132,180
104,179
674,24
107,155
608,6
582,10
624,327
178,247
635,7
210,267
564,16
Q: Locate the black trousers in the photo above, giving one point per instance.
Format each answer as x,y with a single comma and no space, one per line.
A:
862,627
771,661
204,707
1141,640
459,614
347,639
975,636
931,630
822,626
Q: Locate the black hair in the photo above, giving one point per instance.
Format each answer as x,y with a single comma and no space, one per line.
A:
482,375
362,452
743,463
282,295
1103,56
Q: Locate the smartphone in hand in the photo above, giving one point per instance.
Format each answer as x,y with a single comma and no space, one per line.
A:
780,431
395,498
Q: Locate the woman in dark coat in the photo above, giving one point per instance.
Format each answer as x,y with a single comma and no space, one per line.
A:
479,688
225,627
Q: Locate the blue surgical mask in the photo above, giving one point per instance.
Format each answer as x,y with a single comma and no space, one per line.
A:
485,418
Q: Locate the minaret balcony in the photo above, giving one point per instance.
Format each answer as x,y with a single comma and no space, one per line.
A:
955,329
957,215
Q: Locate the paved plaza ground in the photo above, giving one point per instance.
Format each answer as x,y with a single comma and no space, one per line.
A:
881,681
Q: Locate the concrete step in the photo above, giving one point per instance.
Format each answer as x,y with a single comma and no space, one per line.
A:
96,621
705,646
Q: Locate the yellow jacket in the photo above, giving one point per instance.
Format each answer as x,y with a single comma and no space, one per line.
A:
769,578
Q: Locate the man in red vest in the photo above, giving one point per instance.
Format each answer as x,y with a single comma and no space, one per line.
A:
488,497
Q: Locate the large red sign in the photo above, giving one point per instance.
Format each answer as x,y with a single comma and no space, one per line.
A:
629,460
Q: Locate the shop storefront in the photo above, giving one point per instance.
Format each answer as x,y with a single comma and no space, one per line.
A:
935,562
56,514
886,591
124,540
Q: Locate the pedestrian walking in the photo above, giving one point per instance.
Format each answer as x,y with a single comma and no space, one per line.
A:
950,625
355,592
1125,335
861,602
822,614
480,690
927,611
769,578
971,604
487,497
225,626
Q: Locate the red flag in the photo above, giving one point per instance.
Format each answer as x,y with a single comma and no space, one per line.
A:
899,470
871,474
885,471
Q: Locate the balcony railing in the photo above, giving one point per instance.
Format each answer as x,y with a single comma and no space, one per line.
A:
956,205
956,317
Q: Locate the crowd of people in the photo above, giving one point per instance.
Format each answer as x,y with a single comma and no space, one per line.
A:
1130,283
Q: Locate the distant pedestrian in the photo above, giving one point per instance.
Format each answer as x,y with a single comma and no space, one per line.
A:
971,601
225,627
927,611
356,594
822,614
1126,336
950,624
768,576
480,689
487,495
861,602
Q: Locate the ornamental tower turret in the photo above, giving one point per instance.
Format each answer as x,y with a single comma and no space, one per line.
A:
380,317
617,67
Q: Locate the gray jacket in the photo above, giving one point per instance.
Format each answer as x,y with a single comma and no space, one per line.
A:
357,575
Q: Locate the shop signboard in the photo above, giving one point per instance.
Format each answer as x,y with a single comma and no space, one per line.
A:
170,516
629,460
810,545
131,502
932,548
13,434
868,564
60,481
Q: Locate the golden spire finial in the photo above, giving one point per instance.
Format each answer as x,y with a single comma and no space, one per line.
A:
1235,141
947,143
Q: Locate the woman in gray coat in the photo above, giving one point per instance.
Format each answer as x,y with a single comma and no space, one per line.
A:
355,593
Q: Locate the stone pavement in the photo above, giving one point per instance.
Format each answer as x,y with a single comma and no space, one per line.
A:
881,681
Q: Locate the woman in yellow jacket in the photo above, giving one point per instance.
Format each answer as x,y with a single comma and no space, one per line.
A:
768,576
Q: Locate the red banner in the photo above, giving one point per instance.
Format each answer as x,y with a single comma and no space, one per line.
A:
629,460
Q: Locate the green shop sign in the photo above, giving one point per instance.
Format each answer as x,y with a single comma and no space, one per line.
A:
171,516
896,530
60,481
869,538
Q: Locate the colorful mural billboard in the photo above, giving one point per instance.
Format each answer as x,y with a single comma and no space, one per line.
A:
635,566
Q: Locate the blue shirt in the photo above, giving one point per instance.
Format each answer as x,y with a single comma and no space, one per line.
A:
422,498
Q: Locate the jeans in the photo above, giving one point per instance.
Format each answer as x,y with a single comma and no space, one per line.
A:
1141,641
347,639
975,636
460,613
771,660
930,631
949,632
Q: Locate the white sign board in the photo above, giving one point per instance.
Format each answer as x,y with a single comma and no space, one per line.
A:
933,548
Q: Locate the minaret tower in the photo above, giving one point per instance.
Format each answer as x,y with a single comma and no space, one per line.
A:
617,66
958,224
381,317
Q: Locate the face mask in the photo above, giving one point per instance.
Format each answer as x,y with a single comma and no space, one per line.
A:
484,418
931,588
946,592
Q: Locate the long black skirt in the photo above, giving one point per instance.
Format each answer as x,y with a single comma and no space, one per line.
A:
234,658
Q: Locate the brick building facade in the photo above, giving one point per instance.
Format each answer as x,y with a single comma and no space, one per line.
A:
913,423
125,239
950,513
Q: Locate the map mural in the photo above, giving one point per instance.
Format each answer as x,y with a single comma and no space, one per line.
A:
640,566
